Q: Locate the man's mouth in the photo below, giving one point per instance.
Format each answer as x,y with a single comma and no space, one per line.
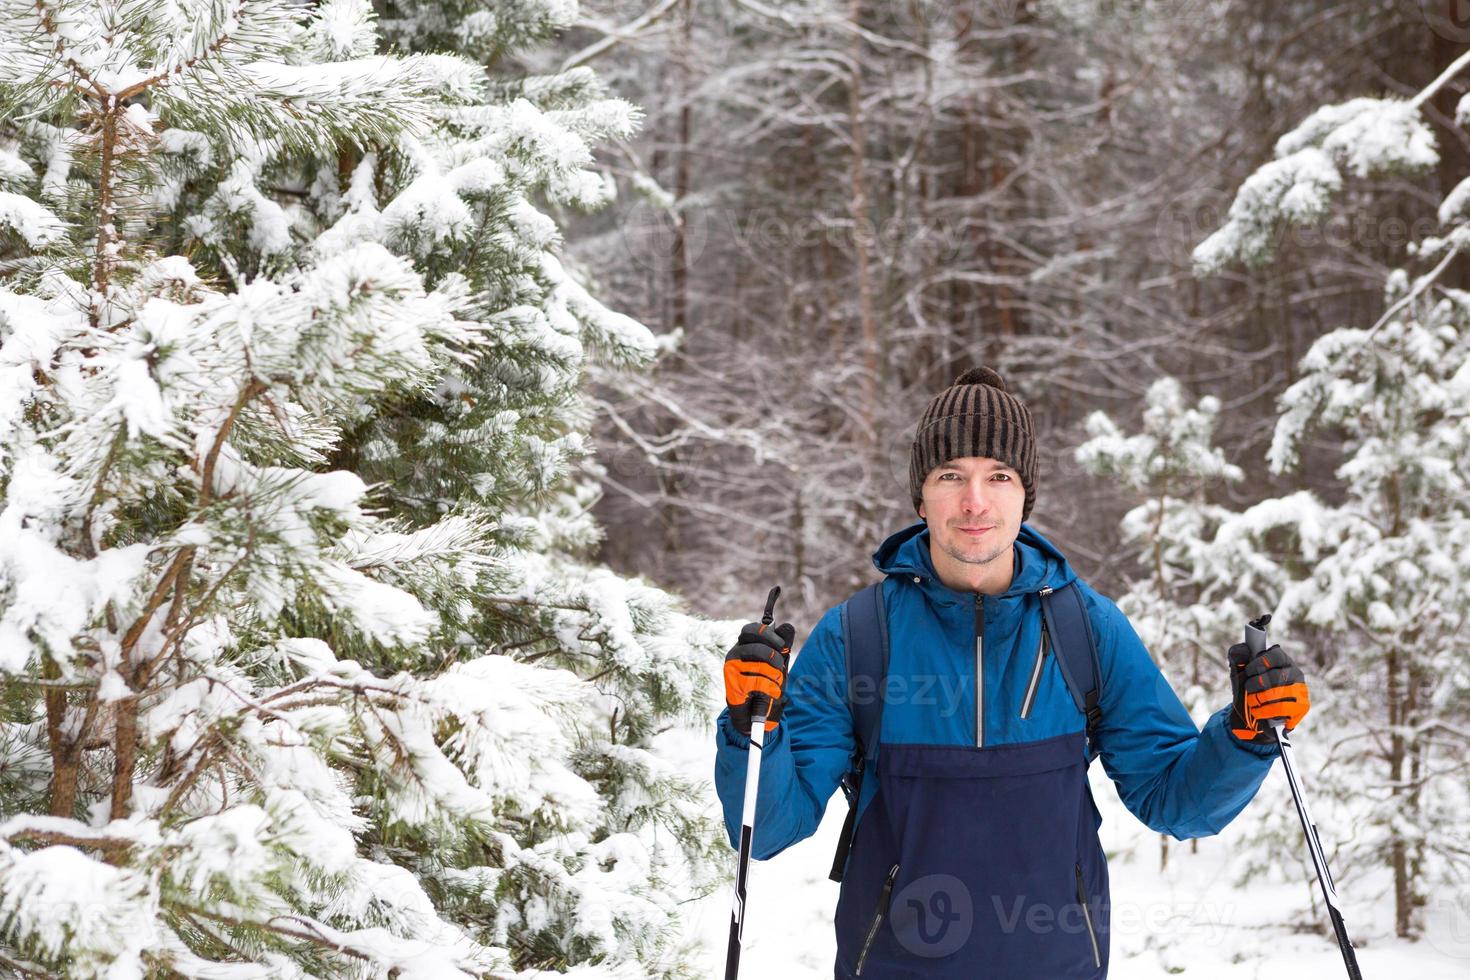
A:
976,531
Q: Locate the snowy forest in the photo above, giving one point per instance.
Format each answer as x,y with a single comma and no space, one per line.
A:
403,403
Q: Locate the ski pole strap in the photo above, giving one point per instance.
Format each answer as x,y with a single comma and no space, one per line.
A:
865,642
1071,633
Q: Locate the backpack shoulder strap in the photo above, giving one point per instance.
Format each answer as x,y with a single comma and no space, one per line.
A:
1065,616
865,639
865,645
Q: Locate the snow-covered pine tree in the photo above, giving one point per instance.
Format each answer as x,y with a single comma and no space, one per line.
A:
1168,467
303,667
1380,581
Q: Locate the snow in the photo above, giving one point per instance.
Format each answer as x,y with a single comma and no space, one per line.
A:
1297,187
31,221
237,197
1173,445
49,594
31,330
1367,135
606,329
14,172
430,211
324,80
1364,137
385,613
224,849
1453,205
343,29
139,118
54,893
58,166
112,687
178,141
188,418
136,396
461,688
171,272
525,707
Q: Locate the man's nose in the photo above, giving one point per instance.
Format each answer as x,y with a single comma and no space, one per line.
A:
975,498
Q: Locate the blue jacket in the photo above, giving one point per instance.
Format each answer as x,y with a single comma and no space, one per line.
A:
939,736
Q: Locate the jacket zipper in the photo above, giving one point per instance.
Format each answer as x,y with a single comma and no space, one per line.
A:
1035,681
1087,917
883,900
979,669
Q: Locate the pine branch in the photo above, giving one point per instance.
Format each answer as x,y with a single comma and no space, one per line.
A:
244,922
25,968
177,577
212,48
107,238
99,485
48,24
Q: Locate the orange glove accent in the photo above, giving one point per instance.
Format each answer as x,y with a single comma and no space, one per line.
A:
755,674
745,677
1266,687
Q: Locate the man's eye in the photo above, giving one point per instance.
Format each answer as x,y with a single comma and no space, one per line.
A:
1006,475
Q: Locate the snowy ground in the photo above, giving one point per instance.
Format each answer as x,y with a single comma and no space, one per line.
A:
1186,921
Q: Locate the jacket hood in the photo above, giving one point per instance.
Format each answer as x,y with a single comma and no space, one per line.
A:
1038,563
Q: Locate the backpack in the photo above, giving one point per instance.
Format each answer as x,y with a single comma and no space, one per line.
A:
865,641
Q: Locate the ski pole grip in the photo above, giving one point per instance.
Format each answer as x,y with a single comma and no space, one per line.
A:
1255,639
769,615
1255,634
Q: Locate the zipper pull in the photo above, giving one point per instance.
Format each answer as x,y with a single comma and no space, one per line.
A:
1030,696
883,900
1087,918
979,669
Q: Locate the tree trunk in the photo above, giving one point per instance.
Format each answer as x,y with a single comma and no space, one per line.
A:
1398,847
858,208
680,270
64,756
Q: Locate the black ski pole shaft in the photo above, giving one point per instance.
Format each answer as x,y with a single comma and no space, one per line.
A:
1255,638
759,709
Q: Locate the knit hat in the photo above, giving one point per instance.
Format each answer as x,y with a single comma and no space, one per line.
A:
975,416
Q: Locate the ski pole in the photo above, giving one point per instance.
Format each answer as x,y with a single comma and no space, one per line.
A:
759,708
1255,638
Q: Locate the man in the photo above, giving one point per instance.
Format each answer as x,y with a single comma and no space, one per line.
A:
976,852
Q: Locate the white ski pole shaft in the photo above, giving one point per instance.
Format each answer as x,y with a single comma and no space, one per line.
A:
747,835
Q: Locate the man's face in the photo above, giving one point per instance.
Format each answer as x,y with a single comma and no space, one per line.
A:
973,506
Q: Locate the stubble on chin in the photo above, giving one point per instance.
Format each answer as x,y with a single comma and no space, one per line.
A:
984,558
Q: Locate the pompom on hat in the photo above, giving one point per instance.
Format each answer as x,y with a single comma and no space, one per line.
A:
975,416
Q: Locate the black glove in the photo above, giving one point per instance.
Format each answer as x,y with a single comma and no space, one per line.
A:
1265,686
755,674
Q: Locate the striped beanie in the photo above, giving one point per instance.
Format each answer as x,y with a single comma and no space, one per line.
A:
975,416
